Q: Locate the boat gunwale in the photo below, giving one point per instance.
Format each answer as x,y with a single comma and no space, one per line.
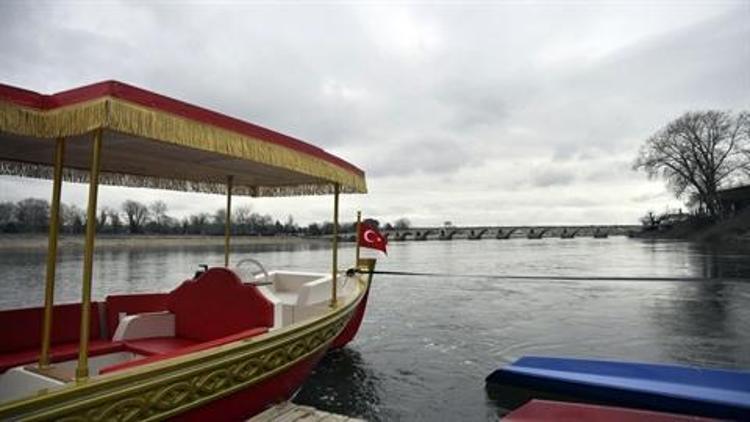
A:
149,376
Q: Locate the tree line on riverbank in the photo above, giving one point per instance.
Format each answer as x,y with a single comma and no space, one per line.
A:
32,215
698,154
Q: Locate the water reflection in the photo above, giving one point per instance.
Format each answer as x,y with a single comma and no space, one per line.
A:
503,398
137,269
719,260
344,383
699,324
427,343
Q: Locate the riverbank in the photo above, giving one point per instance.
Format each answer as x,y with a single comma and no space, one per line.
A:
76,242
734,229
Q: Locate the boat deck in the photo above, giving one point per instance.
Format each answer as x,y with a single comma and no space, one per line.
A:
288,412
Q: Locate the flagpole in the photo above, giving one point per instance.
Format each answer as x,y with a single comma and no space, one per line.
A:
334,269
356,256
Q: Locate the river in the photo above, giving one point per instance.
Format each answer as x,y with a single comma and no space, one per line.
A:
427,343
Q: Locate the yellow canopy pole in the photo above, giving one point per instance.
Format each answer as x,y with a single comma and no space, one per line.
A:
228,222
334,270
82,371
54,227
356,249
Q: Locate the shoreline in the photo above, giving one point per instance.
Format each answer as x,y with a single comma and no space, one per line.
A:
104,241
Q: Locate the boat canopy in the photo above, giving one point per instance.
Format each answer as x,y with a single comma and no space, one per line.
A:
150,140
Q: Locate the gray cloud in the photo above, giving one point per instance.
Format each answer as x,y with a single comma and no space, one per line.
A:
483,104
546,177
434,155
472,103
649,196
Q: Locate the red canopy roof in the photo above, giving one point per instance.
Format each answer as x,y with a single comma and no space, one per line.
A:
139,114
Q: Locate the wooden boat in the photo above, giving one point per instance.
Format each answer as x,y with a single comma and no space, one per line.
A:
221,346
666,388
556,411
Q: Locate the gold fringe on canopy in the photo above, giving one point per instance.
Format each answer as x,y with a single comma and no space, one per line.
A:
145,123
38,171
61,122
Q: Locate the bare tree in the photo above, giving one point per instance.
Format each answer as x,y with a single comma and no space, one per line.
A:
137,215
745,121
159,216
402,224
372,223
114,221
73,218
313,229
218,220
241,216
651,221
7,215
102,218
698,153
32,214
198,223
158,211
290,226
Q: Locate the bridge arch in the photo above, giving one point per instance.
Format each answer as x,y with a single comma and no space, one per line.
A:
476,235
403,235
447,234
505,234
533,233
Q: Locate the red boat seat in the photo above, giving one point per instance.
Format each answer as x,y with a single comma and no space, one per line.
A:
58,352
158,345
217,304
21,331
214,309
132,304
184,350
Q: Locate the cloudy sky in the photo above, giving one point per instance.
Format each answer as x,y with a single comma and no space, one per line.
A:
479,113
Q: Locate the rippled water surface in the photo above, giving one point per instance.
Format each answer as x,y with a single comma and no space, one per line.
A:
427,343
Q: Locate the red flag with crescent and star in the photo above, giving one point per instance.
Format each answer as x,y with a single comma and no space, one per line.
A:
370,237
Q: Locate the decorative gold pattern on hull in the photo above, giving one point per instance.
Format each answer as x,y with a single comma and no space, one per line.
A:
164,389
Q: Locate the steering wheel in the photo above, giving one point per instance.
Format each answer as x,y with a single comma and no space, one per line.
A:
265,281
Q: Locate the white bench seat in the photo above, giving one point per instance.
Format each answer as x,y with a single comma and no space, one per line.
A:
297,296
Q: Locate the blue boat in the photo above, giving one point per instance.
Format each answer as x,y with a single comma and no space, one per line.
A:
668,388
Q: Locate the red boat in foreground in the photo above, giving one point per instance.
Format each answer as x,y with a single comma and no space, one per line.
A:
555,411
223,345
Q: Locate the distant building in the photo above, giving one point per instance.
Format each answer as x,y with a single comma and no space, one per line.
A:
735,200
668,221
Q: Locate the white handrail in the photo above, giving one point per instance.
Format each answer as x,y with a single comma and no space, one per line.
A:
262,269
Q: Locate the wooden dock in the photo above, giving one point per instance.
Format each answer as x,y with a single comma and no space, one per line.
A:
289,412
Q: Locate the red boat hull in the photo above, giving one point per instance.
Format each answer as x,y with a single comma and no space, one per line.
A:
251,401
351,329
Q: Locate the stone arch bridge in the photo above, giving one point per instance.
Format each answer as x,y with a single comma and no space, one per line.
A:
508,232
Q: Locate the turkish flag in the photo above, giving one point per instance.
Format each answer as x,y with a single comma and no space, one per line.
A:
369,237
